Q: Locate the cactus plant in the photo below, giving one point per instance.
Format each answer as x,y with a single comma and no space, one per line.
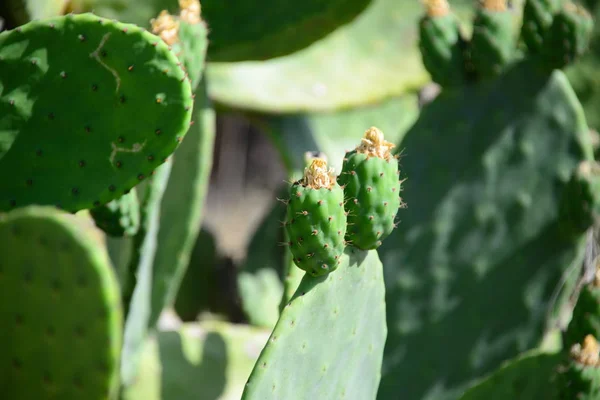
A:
316,220
120,217
62,332
537,19
370,178
580,378
441,43
328,342
73,156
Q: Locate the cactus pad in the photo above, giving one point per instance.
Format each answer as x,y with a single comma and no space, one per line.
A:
482,246
120,217
580,203
493,40
568,36
537,19
61,334
441,44
328,342
586,314
370,178
316,220
88,108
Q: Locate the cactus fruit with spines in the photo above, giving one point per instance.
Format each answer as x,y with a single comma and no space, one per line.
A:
187,34
371,182
120,217
537,19
62,318
123,108
493,41
316,220
580,205
441,43
580,377
569,35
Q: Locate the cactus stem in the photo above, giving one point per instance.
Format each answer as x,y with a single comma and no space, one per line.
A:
436,8
373,144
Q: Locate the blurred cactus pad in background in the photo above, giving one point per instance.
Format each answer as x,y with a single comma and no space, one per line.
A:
316,200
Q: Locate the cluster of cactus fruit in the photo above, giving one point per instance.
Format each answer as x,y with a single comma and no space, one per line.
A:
326,212
554,32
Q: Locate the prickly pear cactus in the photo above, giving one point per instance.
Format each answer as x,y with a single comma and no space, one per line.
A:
89,107
569,36
120,217
580,377
441,43
328,342
370,178
484,218
187,34
580,204
586,314
537,19
61,334
493,40
316,220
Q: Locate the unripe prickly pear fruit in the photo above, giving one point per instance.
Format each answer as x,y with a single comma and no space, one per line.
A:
441,44
120,217
580,201
493,41
372,189
316,220
580,377
537,19
569,36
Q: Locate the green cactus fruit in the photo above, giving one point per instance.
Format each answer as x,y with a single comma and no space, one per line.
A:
89,107
316,220
441,44
187,34
580,378
493,40
569,36
372,191
328,342
580,203
586,314
120,217
537,19
62,320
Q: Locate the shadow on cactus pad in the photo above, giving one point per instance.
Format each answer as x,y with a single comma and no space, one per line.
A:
473,268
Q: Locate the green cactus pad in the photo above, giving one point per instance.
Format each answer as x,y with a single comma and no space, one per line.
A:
120,217
248,31
442,48
482,247
493,42
569,36
181,208
62,320
328,342
526,377
537,19
88,108
316,221
208,360
370,179
379,46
